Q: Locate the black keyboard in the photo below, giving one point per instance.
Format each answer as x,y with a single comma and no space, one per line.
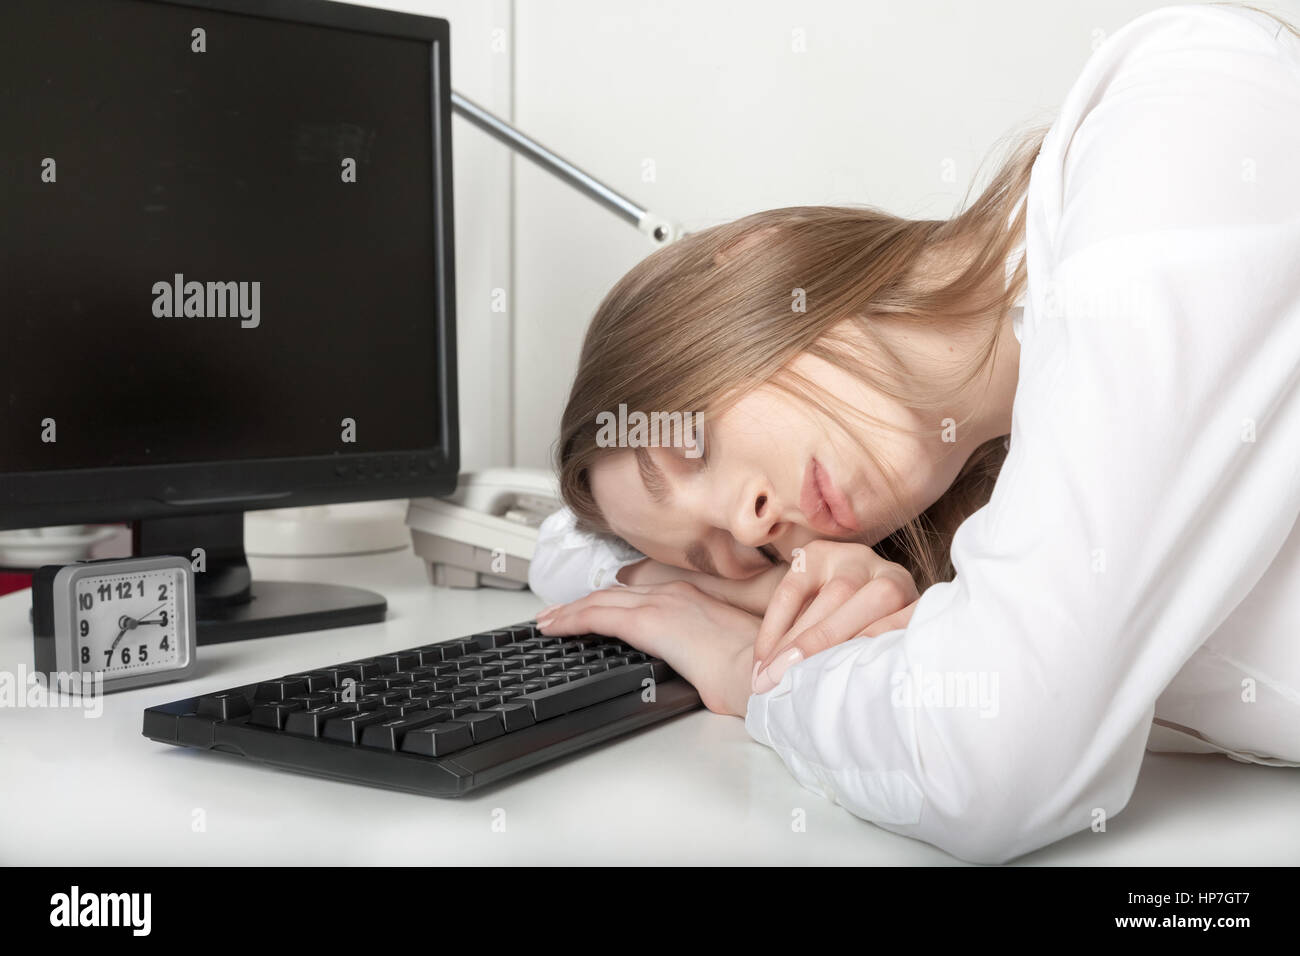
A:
441,719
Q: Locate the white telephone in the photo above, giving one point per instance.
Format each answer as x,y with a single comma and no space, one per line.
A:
484,533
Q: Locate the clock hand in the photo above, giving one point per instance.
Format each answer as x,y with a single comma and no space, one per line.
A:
145,618
127,624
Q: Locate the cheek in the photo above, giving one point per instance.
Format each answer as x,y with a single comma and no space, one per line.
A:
763,423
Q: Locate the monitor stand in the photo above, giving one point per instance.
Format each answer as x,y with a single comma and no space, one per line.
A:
232,606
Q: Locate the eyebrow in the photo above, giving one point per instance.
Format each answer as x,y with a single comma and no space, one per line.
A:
698,555
652,477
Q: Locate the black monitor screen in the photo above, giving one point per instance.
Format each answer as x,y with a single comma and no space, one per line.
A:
218,237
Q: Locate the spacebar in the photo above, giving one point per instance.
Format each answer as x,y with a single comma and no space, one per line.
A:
585,691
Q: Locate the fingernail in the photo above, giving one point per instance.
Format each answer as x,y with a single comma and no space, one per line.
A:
544,620
753,679
776,670
546,612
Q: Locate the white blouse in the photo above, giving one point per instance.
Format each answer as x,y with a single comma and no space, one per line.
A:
1134,580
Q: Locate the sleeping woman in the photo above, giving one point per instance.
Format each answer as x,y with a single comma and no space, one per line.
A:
977,510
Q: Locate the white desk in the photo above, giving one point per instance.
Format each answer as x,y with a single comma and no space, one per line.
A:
695,789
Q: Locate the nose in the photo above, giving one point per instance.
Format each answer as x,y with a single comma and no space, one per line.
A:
755,516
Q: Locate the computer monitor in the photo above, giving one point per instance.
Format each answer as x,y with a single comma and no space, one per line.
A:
226,276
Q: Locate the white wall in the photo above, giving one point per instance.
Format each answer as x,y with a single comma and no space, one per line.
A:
893,104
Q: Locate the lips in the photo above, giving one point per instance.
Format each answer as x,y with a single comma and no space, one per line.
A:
826,509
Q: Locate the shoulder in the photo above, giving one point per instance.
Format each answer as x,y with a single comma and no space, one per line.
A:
1166,121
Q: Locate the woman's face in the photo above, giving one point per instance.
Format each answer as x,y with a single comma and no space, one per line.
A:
775,474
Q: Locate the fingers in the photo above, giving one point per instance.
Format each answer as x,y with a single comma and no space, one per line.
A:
788,600
562,616
898,619
879,599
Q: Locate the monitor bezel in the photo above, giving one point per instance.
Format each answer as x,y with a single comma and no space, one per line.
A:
125,493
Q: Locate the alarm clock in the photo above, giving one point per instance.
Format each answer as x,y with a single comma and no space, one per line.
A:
132,619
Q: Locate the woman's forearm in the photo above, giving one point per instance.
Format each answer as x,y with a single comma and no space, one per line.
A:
749,594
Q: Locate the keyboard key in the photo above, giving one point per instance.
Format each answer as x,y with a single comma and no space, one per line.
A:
410,705
349,727
273,714
367,669
280,689
565,698
660,670
484,725
312,700
224,706
494,639
310,723
400,660
516,715
341,673
429,655
315,680
439,739
388,735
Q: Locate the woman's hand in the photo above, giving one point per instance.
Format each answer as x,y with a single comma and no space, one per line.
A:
706,640
750,594
845,590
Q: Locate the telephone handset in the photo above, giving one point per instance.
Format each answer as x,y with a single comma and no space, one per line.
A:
485,532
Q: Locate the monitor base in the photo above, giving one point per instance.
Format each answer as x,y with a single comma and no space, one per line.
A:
289,607
230,605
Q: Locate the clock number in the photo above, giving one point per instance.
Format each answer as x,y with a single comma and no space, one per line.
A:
126,655
123,589
165,646
85,627
85,655
105,591
162,592
143,653
108,657
85,601
163,620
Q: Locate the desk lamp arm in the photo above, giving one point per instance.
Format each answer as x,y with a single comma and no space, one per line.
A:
661,231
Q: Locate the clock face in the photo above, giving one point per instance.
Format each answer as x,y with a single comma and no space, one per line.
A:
126,624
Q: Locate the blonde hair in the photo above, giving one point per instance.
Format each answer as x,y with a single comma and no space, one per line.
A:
700,322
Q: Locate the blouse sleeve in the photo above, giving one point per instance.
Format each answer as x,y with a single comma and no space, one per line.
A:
568,564
1151,477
